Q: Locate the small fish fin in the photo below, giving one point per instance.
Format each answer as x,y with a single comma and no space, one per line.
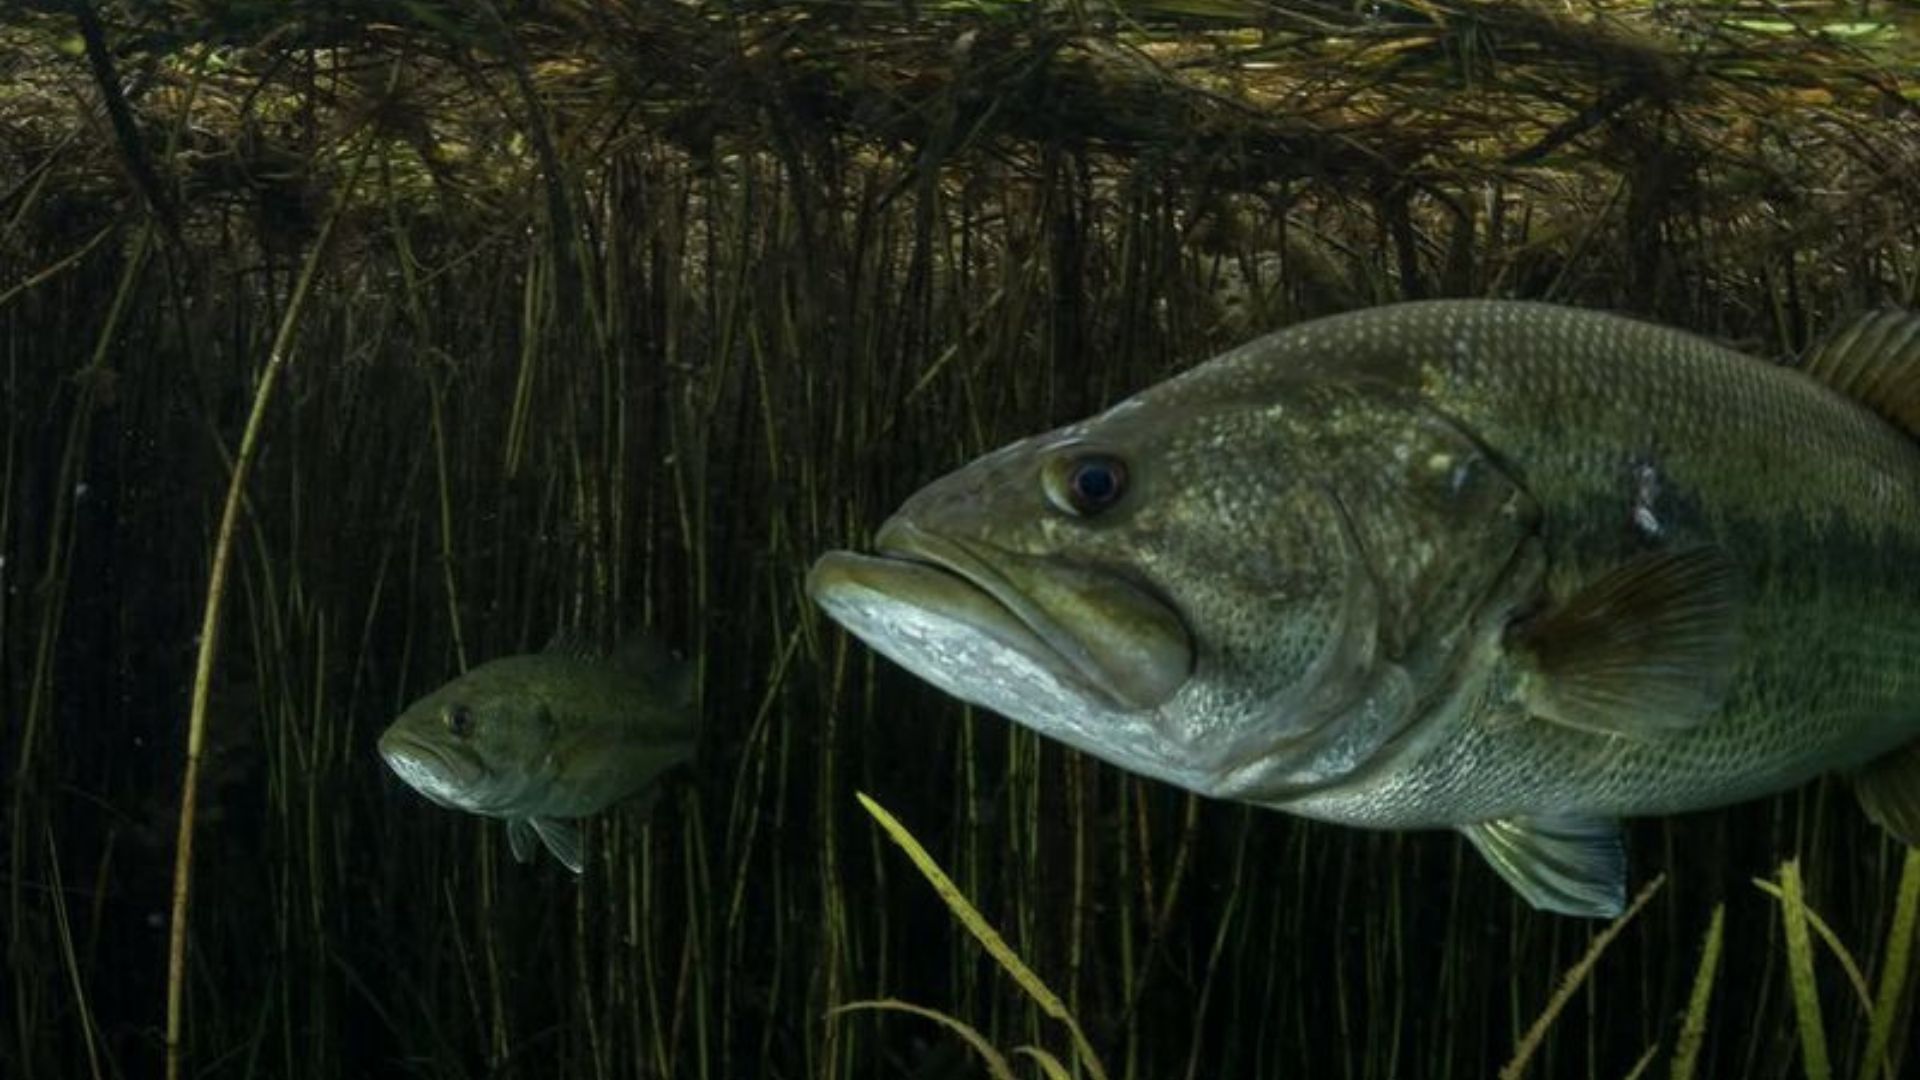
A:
1889,791
1565,863
682,686
575,642
520,839
646,801
1647,650
563,839
647,656
641,654
1875,360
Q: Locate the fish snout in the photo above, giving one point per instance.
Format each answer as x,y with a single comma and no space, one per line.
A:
417,763
1119,640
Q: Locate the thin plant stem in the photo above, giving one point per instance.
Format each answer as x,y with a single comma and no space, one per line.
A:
1535,1036
210,631
89,1031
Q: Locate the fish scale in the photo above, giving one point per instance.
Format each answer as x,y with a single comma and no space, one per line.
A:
541,738
1757,459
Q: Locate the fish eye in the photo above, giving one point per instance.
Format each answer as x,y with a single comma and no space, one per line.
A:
1086,484
459,720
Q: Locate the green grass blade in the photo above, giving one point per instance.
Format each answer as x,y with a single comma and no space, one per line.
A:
1536,1035
1050,1065
983,932
997,1066
1806,998
209,640
1893,976
1641,1066
1693,1030
89,1029
1848,964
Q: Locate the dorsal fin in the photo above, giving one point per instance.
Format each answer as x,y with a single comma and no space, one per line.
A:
575,642
1875,360
646,655
640,653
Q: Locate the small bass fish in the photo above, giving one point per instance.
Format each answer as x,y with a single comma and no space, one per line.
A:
1509,568
544,737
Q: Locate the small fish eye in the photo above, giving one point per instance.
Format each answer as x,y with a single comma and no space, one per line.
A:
1087,484
459,720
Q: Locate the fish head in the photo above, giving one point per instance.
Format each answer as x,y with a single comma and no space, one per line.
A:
1178,586
485,742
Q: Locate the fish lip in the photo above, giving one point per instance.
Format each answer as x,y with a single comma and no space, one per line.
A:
408,757
902,541
905,542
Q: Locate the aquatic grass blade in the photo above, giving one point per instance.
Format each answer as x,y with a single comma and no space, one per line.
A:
1530,1043
1893,975
1645,1062
997,1066
1052,1066
983,932
89,1029
1806,997
211,624
1693,1030
1855,977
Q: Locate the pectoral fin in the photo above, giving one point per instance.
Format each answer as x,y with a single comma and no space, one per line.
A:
1889,791
1572,865
563,839
520,839
1645,651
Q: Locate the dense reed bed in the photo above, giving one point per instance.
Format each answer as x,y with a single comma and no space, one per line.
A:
616,315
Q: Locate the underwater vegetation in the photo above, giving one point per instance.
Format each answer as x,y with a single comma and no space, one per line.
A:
346,348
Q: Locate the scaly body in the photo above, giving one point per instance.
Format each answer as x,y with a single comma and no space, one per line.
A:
1630,438
1507,567
543,737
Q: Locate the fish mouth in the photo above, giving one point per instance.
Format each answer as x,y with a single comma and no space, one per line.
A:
427,768
1099,633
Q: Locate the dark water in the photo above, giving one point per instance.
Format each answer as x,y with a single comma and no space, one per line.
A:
739,361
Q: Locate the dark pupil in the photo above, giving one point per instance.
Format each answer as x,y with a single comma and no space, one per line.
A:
459,720
1095,483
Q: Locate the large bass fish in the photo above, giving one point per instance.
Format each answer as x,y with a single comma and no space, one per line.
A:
1511,568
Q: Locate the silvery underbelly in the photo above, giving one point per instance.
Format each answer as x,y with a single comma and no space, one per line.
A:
1493,761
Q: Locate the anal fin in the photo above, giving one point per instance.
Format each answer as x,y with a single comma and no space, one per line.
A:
1889,791
563,839
520,838
1570,864
1646,650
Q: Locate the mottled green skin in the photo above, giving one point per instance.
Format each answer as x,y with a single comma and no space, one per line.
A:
551,735
1347,516
1815,500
